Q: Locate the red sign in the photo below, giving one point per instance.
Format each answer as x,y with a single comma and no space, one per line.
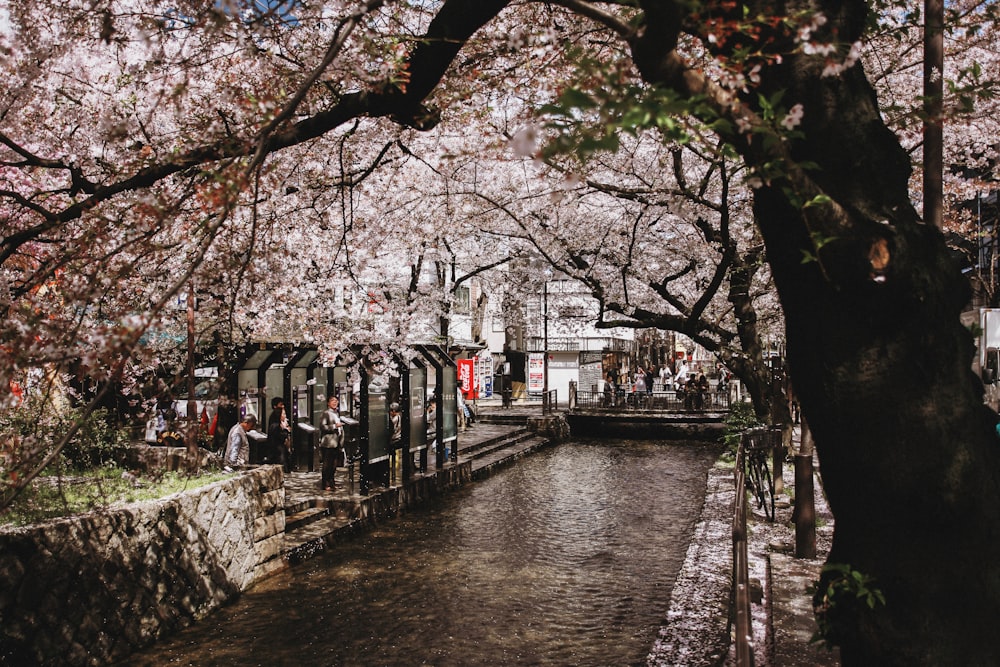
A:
467,377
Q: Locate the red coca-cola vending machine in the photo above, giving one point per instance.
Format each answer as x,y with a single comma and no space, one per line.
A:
467,378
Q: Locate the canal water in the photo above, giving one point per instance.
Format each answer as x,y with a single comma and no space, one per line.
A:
565,558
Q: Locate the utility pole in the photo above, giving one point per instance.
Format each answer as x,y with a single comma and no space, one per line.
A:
194,419
933,112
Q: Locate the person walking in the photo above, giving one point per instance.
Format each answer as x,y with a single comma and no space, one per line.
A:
238,445
331,443
396,422
279,435
395,437
613,377
666,377
703,386
640,386
432,426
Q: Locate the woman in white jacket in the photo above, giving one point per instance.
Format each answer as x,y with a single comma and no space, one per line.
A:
331,443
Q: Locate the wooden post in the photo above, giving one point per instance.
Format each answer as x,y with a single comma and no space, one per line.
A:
804,514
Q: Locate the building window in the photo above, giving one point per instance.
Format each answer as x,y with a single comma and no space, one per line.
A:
462,300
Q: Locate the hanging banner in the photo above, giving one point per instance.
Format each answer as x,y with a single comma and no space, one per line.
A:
536,372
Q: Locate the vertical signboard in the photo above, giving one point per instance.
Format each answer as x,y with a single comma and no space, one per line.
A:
418,411
449,404
300,403
319,379
536,372
378,424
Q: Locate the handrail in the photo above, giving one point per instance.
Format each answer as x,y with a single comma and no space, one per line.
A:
740,596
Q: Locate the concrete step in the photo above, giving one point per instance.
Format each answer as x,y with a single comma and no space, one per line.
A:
502,418
304,517
487,464
489,443
505,444
316,521
308,539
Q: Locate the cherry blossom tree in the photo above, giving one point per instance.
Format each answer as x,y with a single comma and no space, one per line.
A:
654,235
148,148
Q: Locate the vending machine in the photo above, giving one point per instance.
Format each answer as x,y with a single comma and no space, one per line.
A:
304,434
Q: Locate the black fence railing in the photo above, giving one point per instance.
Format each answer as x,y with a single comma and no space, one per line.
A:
550,401
657,401
753,480
740,595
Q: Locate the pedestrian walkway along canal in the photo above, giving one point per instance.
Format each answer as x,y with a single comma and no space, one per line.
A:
567,557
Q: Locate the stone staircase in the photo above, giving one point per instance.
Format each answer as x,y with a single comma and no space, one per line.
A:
315,527
493,453
506,417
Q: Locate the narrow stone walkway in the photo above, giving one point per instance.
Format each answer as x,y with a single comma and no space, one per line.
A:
696,633
788,578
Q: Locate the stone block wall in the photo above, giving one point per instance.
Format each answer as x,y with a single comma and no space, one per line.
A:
91,589
145,458
554,427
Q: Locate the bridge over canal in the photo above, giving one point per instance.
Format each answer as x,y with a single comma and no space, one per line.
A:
660,414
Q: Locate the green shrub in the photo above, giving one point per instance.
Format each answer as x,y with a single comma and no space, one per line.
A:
99,442
51,496
741,417
30,431
839,596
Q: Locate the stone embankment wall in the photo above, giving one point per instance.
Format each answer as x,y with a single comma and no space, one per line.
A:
638,426
91,589
554,427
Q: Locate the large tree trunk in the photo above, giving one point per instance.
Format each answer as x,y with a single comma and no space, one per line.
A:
750,366
882,367
878,358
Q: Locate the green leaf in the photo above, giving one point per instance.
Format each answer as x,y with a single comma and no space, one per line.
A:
573,98
818,200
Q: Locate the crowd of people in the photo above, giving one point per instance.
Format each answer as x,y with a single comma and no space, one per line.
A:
691,386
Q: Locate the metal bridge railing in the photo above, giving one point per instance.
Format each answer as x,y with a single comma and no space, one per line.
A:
550,401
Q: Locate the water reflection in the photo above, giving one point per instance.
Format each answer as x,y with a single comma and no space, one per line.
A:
566,558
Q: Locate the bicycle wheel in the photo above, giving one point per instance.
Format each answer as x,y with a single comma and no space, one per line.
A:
760,480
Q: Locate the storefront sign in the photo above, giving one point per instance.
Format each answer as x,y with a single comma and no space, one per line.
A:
536,372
